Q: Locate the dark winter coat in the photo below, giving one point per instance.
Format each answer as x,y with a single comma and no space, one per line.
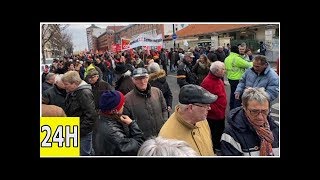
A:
46,85
80,103
240,139
185,75
158,79
112,138
55,96
200,71
148,108
221,55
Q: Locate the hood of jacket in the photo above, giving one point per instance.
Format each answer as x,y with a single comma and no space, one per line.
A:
82,85
160,76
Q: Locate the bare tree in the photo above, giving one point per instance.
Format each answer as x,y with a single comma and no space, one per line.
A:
67,42
51,36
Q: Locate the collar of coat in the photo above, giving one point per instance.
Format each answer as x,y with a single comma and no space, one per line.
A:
157,75
146,93
183,122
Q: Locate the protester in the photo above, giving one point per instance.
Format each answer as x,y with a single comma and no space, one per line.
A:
56,95
260,75
235,68
188,122
216,115
146,104
251,131
184,72
159,146
98,86
158,79
49,81
80,103
116,134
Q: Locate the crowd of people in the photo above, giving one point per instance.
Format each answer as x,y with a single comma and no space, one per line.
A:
125,102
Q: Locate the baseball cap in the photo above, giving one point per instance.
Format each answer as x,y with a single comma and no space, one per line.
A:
140,72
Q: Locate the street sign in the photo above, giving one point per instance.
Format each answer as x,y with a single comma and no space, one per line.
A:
174,36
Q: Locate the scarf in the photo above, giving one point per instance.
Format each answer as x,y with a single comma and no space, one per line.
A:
265,135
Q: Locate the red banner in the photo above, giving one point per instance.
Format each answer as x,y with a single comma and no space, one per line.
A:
125,44
113,48
116,48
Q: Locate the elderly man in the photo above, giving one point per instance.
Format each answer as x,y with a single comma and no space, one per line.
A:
49,81
188,122
251,131
184,72
98,86
56,95
80,103
216,115
145,104
260,75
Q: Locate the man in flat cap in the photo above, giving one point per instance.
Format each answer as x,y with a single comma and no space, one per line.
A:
146,104
188,122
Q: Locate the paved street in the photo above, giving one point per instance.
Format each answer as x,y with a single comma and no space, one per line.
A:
172,81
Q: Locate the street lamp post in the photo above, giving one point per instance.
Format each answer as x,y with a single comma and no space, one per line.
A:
174,41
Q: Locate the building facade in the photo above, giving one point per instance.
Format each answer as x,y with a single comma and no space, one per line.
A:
93,32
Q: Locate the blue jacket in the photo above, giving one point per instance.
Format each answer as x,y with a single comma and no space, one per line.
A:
268,79
240,139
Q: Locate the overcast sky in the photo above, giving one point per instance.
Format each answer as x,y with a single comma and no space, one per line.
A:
79,37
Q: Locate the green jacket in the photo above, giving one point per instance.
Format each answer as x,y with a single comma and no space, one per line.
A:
236,66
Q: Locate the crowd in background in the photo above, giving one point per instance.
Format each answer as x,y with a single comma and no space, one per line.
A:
125,103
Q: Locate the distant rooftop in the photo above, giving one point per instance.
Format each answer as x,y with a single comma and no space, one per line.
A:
198,29
115,28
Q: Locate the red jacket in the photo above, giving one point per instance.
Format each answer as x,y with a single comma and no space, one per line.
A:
215,85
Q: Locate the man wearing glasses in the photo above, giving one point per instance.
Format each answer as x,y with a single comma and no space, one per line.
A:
251,131
188,122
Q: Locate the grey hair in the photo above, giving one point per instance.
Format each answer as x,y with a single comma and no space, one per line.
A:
159,146
216,66
257,94
49,75
58,78
183,107
153,67
243,44
261,58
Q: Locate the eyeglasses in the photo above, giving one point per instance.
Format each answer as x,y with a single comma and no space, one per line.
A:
202,105
256,112
93,76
